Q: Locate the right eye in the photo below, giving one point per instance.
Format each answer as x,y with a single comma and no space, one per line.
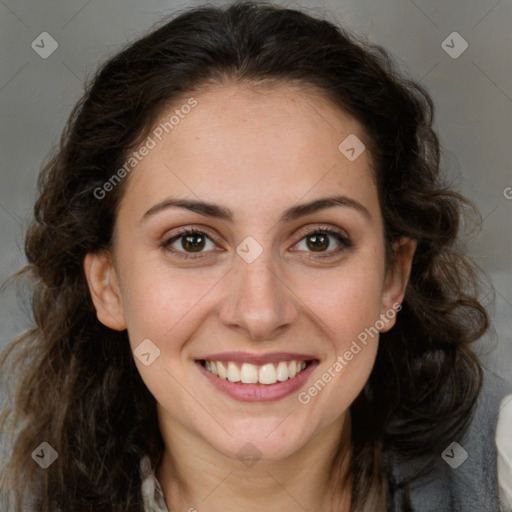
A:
187,242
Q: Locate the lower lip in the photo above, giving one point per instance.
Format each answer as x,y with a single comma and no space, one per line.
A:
259,392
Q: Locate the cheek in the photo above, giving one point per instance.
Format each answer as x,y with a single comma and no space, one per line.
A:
165,309
349,304
157,299
350,314
348,301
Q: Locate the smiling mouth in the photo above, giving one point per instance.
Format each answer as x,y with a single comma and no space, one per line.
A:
247,373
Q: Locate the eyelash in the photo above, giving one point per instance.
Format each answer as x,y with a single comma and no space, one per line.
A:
342,240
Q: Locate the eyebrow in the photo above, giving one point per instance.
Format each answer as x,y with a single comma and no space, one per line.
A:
291,214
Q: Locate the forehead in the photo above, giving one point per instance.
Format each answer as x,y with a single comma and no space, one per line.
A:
261,144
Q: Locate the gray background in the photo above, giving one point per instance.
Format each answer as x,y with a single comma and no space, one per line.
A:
473,95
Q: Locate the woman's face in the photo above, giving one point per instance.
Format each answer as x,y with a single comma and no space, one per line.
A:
272,279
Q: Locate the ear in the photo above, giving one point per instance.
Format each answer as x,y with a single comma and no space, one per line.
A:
397,277
104,289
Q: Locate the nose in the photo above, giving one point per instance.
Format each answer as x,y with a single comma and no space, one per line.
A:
258,300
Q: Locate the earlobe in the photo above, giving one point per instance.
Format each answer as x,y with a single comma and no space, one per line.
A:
397,276
104,289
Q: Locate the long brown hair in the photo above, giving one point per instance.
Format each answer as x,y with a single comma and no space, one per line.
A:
77,386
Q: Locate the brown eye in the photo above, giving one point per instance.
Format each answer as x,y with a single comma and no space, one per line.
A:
321,240
189,241
193,243
318,242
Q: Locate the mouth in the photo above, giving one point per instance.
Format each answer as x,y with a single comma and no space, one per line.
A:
257,378
247,373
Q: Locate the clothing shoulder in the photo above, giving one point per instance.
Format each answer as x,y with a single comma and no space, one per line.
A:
475,482
464,477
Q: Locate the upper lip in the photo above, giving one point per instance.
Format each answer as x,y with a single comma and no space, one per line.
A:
258,359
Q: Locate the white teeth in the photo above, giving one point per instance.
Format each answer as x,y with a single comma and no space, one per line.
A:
233,372
252,374
249,374
223,374
282,371
267,374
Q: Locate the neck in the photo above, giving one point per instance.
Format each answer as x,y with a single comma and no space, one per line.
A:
195,476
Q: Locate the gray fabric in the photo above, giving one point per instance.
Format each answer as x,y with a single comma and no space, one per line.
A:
473,486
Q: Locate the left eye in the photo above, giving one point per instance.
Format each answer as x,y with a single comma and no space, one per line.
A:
320,240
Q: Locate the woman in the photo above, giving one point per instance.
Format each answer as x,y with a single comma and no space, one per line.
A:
247,291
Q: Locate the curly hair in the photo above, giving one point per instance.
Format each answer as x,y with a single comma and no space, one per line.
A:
77,386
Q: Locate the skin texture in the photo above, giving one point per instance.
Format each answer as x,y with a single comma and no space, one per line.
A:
257,152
